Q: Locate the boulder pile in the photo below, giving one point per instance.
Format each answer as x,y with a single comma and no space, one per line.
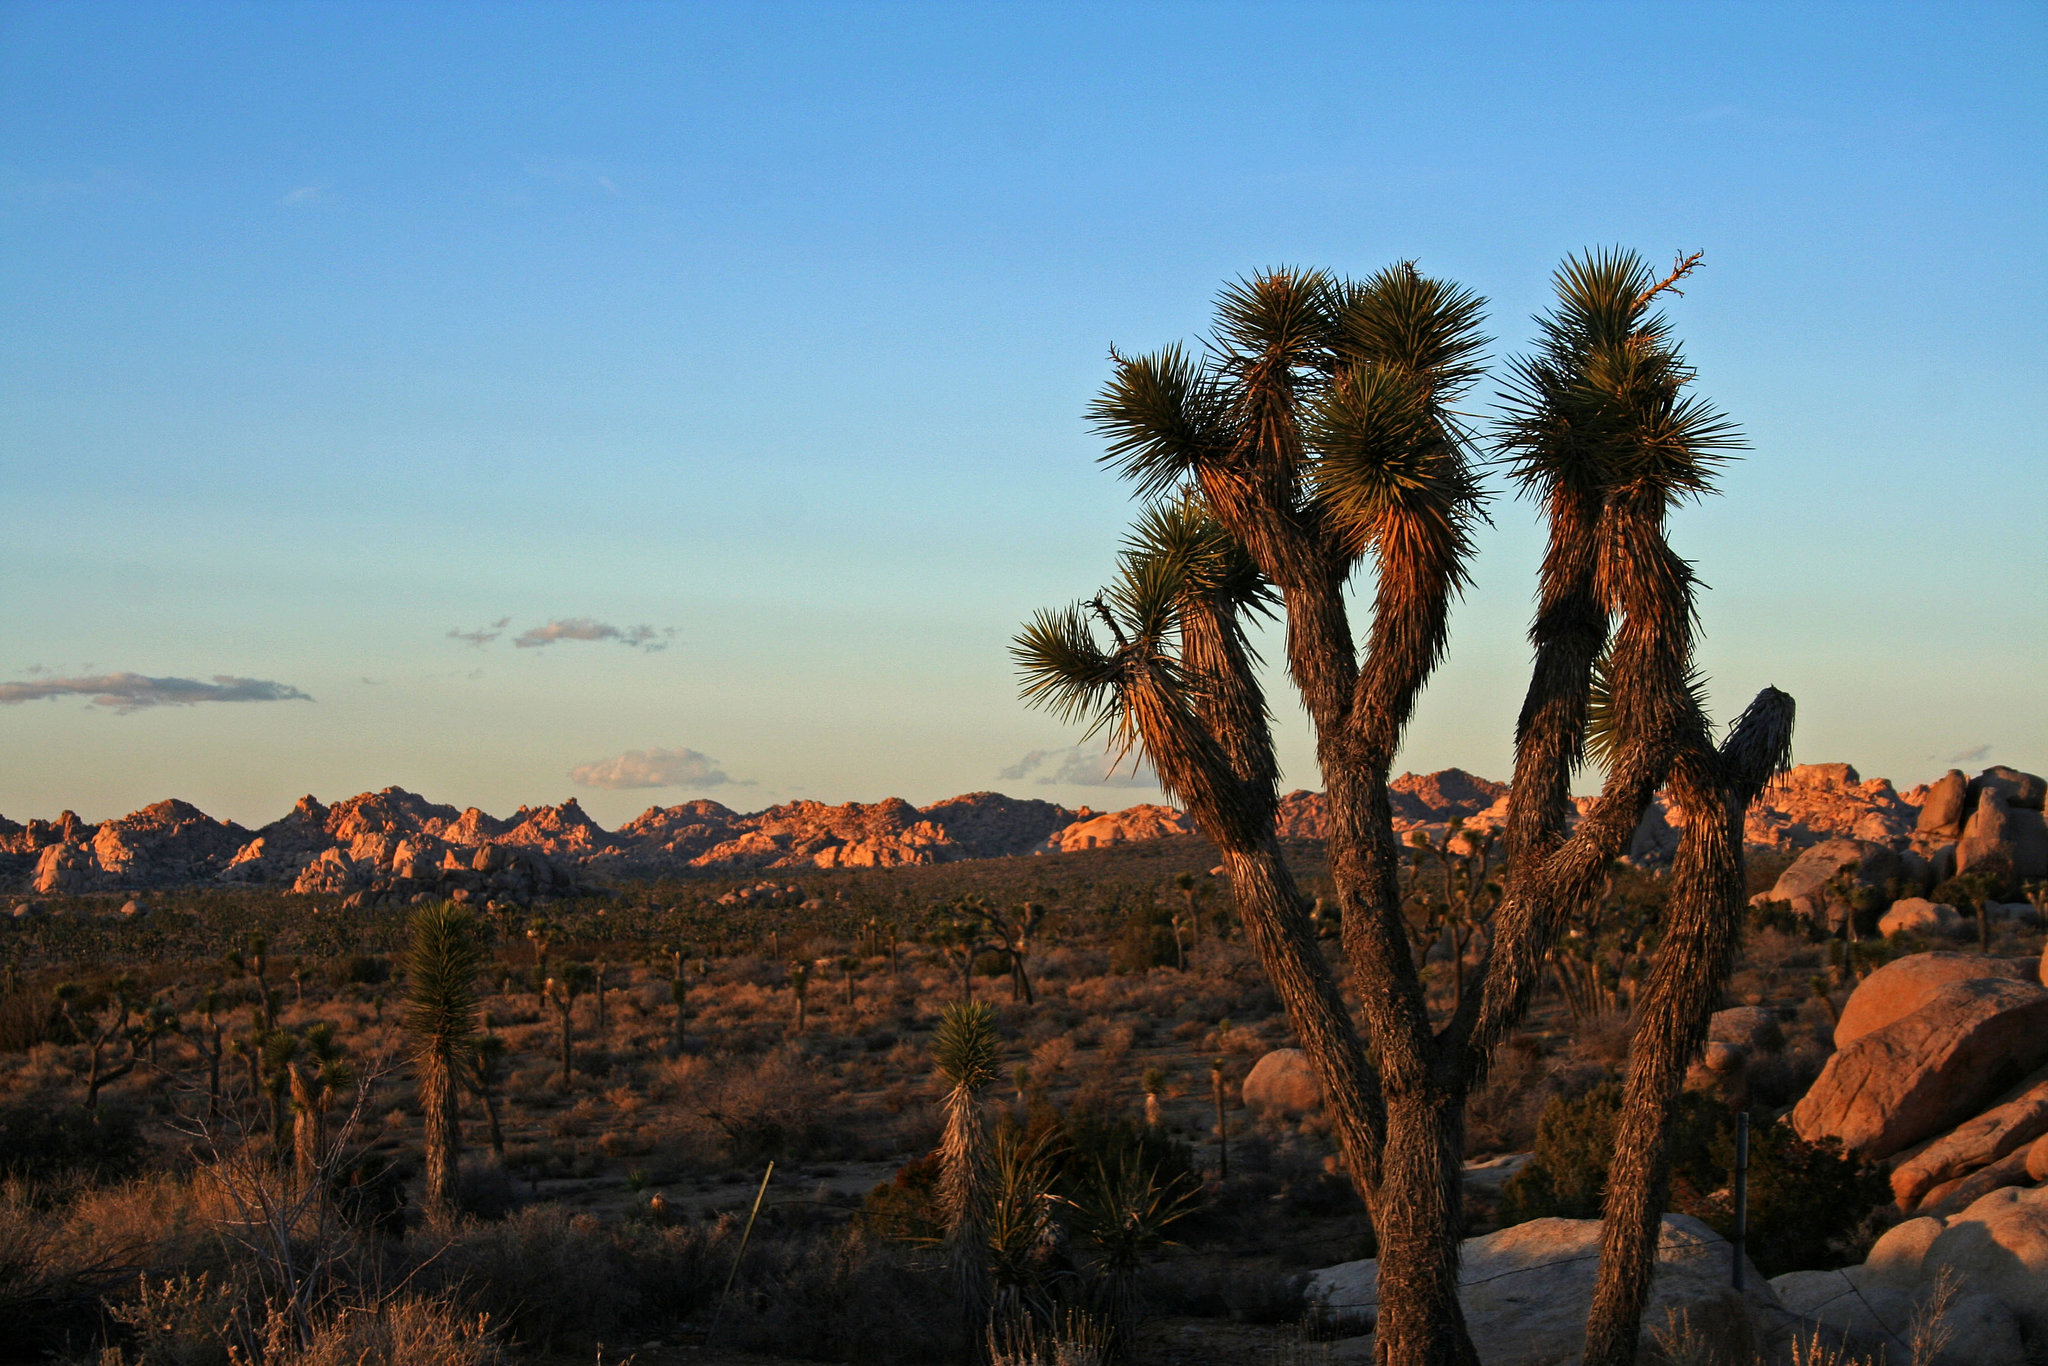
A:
1525,1291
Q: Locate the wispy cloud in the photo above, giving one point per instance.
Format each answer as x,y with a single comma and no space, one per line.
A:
654,768
589,628
1974,754
483,635
126,692
302,196
1079,766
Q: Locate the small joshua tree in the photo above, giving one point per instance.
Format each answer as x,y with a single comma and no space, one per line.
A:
486,1075
100,1030
441,1016
967,1050
561,992
799,989
1154,1082
316,1086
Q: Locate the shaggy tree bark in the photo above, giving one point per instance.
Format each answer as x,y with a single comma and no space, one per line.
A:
1672,1013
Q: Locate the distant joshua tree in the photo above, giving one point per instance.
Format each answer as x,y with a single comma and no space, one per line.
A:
441,1016
561,992
1316,430
1009,933
101,1030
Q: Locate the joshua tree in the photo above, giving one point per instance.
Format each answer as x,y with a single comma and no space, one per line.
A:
967,1051
207,1040
541,932
1192,889
799,989
1011,933
486,1075
1217,1092
598,973
959,934
99,1030
315,1088
561,992
441,1016
1318,433
679,996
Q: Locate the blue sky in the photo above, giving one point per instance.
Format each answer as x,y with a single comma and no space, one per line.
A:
332,330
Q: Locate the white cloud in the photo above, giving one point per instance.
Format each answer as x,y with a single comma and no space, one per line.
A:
1080,766
654,768
588,628
126,692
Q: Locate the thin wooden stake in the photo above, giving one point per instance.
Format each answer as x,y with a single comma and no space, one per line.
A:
734,1274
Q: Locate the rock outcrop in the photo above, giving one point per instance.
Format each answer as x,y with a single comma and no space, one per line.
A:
378,838
1926,1070
1123,827
1526,1289
1904,985
1816,883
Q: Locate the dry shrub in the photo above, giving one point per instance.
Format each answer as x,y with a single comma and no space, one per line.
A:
58,1260
779,1108
1052,1056
844,1297
405,1331
1501,1115
544,1272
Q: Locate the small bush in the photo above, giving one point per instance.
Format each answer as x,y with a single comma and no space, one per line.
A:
1805,1200
51,1139
844,1298
543,1272
1146,942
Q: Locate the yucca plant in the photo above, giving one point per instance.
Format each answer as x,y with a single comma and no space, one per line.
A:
1121,1215
1318,433
441,1017
968,1053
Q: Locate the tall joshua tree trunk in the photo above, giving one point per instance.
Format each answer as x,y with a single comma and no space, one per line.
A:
1318,435
441,1017
1712,789
967,1050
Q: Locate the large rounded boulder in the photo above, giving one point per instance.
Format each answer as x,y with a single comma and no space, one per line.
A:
1929,1068
1282,1085
1904,985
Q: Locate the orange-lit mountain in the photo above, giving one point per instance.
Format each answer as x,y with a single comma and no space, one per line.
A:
378,839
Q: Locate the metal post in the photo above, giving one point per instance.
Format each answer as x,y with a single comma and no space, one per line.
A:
733,1275
1741,1194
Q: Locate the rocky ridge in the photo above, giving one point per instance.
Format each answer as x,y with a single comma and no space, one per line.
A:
394,841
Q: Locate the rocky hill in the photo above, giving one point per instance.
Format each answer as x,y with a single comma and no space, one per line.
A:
396,842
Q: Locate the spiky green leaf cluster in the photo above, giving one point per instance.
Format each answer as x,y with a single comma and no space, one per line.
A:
1602,402
1605,728
967,1048
441,970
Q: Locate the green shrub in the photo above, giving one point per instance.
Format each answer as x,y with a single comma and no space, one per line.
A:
1145,942
1805,1200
